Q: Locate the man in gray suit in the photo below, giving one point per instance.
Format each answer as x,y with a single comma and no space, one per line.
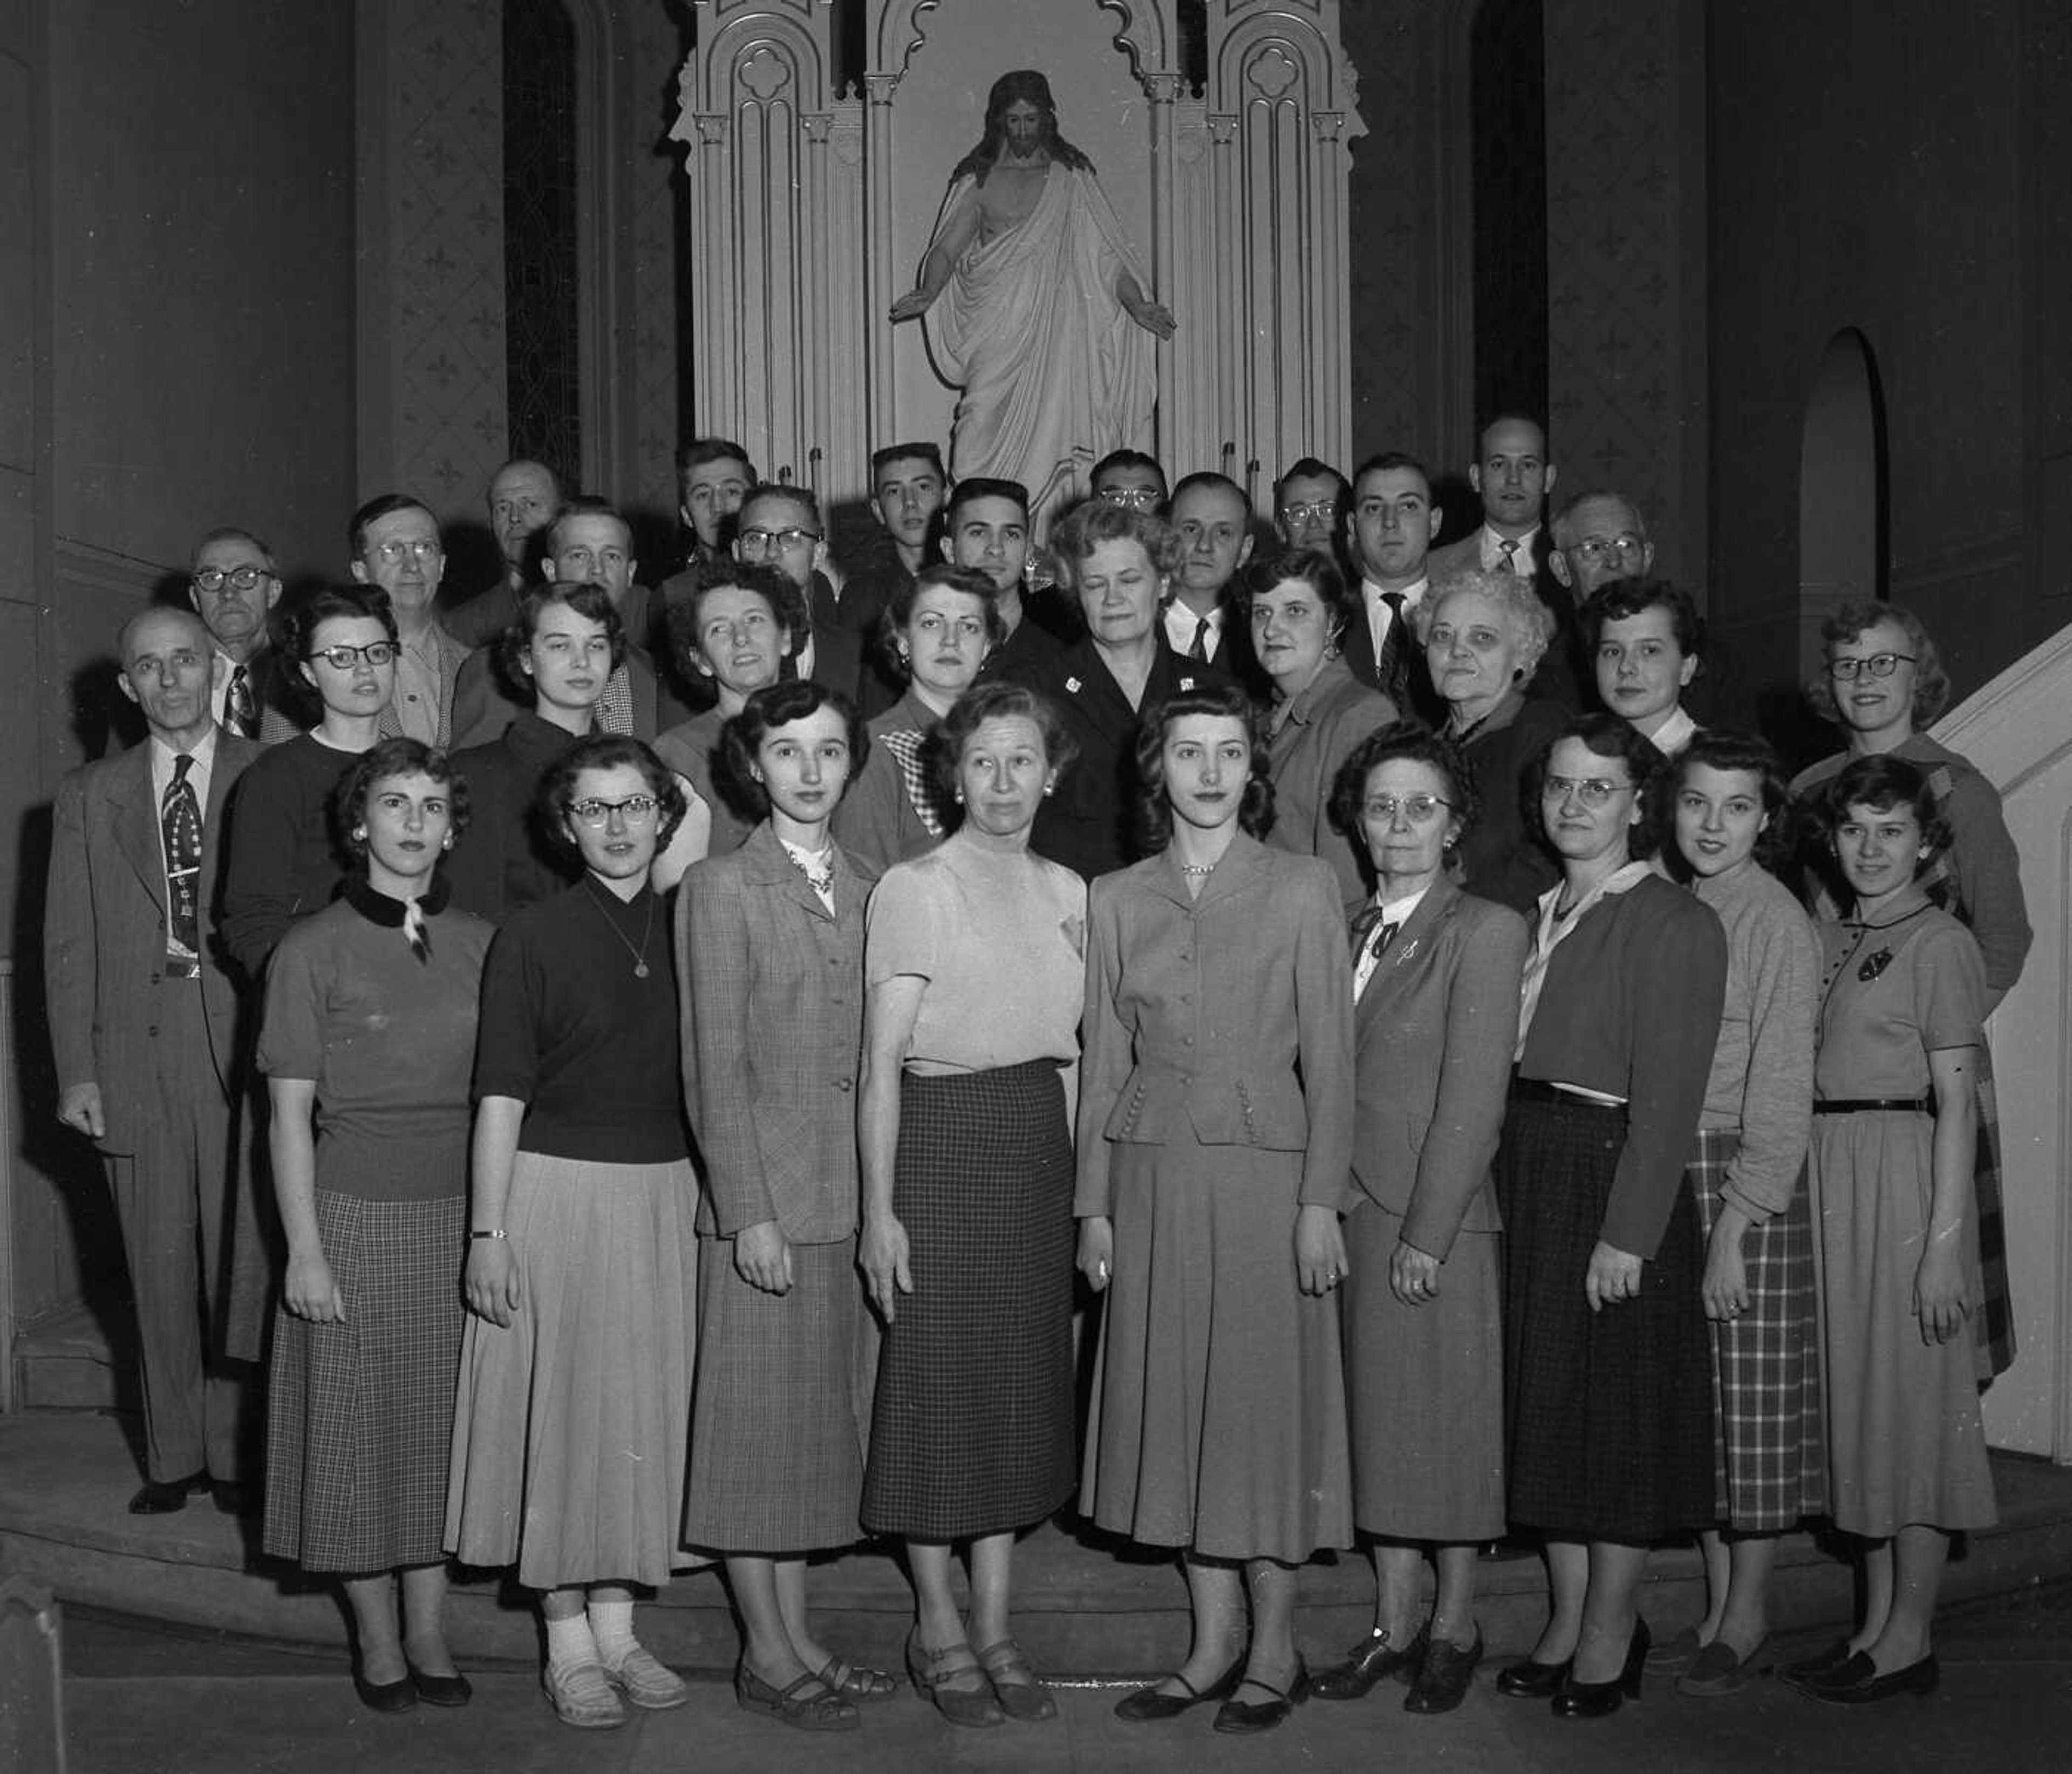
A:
143,1025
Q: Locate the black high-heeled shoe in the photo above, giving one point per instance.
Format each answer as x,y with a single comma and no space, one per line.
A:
1148,1705
1600,1699
1531,1680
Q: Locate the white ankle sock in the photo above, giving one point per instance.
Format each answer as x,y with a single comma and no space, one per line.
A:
611,1624
569,1644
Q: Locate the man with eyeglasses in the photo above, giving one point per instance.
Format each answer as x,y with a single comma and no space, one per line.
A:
780,526
143,1020
396,544
1129,477
1599,535
1388,530
589,541
1309,500
523,497
233,584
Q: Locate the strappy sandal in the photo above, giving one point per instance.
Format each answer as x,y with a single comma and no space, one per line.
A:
1016,1685
858,1682
808,1703
931,1670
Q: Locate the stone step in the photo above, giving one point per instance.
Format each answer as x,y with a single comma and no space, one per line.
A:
1085,1606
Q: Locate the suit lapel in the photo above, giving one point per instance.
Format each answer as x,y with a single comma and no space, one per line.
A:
1406,958
135,820
777,872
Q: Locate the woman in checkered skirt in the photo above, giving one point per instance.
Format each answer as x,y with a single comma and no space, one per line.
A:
972,956
1729,803
939,626
369,1037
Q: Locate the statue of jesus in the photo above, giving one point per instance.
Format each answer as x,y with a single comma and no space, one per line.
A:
1045,326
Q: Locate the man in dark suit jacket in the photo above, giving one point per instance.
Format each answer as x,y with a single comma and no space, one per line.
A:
907,488
1212,518
1388,529
781,527
233,585
1513,477
143,1025
523,498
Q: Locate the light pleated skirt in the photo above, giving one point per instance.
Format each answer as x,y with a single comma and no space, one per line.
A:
572,1425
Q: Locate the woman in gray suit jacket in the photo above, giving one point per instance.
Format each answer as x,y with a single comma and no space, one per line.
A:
770,945
1435,975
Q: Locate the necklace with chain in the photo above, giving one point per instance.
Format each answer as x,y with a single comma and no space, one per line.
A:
647,930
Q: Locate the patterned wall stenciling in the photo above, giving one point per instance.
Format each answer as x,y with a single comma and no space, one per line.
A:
439,112
1616,302
657,46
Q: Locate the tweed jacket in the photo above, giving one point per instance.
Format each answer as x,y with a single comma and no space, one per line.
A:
771,991
1321,725
452,655
1433,1036
105,932
1231,1014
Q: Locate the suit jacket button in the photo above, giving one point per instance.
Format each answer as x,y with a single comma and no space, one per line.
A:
841,1084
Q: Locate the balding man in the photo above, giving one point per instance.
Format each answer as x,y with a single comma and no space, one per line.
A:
523,497
1599,535
1512,476
396,544
142,1020
1213,519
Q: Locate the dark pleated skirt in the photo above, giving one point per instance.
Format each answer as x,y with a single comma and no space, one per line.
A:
1607,1417
359,1413
972,1430
781,1404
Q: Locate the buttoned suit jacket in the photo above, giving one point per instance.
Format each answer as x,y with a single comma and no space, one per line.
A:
1433,1035
105,934
1230,1015
770,987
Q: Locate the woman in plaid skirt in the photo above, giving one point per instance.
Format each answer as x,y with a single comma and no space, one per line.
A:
1729,803
369,1036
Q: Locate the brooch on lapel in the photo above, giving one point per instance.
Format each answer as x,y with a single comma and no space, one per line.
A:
1406,951
1874,965
1072,686
1186,683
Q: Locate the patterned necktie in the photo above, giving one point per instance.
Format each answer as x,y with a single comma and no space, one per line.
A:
1508,563
1392,664
1370,923
179,820
240,705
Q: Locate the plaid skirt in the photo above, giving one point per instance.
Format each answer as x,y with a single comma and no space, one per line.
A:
359,1413
1608,1417
972,1431
1770,1447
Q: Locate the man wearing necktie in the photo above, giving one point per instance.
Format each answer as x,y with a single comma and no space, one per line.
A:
1213,520
1512,477
143,1028
1389,528
233,585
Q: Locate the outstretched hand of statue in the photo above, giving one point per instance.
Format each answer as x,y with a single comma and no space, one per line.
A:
912,305
1153,317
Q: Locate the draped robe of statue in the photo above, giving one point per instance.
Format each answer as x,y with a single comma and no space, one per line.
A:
1054,373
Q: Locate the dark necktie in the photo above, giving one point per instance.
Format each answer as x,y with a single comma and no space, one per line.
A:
1200,648
239,705
1393,664
1370,924
1508,561
179,820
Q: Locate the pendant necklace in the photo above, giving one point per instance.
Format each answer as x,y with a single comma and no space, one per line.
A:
647,930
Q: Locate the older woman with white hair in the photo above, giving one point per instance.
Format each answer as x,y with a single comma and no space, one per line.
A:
1484,635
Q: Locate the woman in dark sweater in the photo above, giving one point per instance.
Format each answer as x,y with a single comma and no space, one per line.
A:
573,1417
1608,1375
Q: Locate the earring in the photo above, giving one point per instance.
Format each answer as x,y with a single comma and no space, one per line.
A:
360,834
445,843
960,797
